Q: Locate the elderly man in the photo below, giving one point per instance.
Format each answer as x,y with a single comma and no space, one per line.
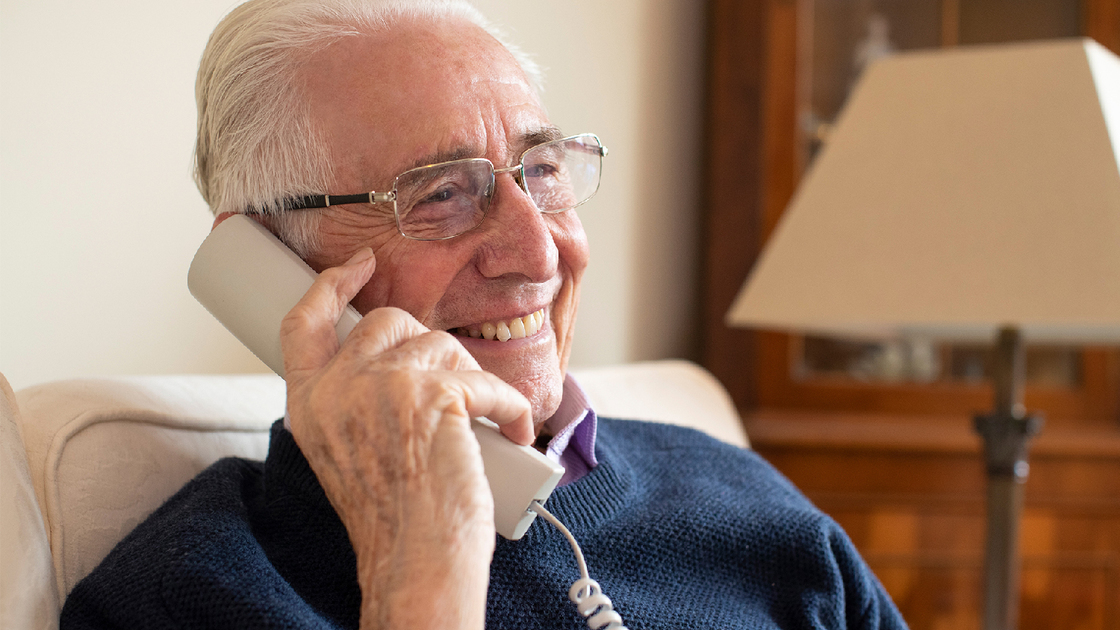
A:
372,509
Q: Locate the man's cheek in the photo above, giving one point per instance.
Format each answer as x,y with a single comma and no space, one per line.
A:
368,298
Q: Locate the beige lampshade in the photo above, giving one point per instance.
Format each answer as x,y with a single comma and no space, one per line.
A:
959,191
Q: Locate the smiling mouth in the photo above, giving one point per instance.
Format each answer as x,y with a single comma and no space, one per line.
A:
516,328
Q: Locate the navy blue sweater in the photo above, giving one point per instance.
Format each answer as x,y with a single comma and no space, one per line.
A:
681,531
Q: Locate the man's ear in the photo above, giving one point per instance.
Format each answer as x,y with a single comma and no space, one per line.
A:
221,217
259,218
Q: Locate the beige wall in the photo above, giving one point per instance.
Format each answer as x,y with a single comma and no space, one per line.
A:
99,218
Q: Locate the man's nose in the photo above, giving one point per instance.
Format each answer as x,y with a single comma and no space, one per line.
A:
518,239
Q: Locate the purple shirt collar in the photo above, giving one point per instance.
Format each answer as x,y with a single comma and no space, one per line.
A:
573,429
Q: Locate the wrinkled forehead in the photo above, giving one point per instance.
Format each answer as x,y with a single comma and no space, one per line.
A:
424,87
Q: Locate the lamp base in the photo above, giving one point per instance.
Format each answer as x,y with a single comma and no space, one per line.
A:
1005,446
1007,433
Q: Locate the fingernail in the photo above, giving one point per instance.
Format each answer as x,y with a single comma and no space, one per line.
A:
360,256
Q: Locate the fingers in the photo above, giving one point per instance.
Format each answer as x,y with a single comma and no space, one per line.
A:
393,340
486,395
395,337
388,328
307,335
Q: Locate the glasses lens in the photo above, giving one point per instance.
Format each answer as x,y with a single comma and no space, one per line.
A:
443,200
565,173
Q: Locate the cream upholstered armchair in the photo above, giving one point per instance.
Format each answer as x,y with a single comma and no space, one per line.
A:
84,461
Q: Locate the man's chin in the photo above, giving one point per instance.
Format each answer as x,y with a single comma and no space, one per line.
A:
532,366
543,388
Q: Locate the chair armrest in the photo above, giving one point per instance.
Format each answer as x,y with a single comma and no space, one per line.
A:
28,598
672,391
105,453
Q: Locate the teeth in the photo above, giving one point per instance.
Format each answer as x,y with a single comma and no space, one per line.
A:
516,328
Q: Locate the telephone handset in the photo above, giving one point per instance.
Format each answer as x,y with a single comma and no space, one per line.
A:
249,281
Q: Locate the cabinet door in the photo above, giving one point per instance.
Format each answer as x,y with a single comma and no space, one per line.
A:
780,72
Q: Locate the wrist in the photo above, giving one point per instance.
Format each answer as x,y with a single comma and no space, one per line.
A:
428,582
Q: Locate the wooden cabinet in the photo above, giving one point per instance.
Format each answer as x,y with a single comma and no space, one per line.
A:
910,493
897,463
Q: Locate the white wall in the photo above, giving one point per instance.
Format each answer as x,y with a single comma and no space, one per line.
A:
99,218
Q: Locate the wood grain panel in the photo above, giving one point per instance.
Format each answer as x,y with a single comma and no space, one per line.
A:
733,184
911,495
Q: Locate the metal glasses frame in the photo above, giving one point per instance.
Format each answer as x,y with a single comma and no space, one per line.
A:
374,197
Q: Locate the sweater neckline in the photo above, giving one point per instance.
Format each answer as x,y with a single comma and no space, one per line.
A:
602,493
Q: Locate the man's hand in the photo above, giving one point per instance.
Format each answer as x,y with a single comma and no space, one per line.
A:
384,421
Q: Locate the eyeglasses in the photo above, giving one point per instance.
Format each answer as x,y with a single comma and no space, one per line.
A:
442,201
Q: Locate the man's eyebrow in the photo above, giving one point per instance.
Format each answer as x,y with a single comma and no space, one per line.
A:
539,136
458,153
524,142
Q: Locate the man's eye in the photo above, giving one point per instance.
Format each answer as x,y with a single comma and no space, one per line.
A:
541,170
440,196
441,203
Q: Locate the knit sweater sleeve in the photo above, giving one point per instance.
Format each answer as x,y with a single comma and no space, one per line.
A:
866,603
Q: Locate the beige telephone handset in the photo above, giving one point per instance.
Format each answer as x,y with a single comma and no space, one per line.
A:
249,281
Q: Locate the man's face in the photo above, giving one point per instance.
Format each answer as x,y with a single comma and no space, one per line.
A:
426,93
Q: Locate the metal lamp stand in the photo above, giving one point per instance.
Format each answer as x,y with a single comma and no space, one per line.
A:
1006,433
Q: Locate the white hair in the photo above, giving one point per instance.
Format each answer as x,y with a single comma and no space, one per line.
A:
257,144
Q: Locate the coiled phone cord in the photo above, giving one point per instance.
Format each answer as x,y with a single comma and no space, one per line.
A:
586,593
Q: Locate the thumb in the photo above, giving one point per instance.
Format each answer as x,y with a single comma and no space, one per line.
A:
307,334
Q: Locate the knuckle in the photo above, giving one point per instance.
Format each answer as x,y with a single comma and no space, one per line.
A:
401,384
332,276
299,318
390,315
440,339
445,345
449,395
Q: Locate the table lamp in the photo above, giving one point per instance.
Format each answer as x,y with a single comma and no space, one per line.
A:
963,194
